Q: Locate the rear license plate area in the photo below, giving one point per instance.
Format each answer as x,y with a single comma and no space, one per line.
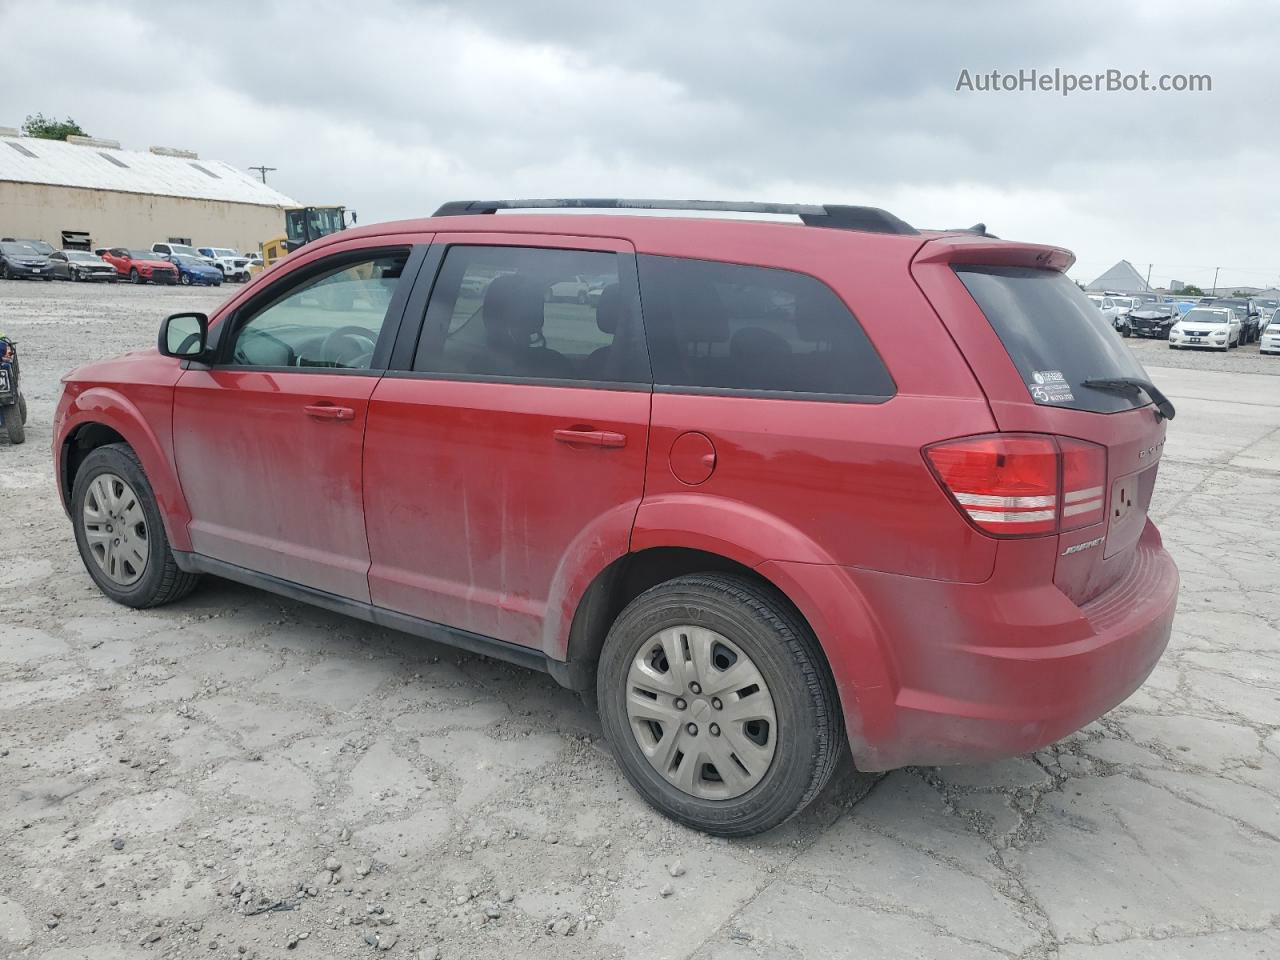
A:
1127,509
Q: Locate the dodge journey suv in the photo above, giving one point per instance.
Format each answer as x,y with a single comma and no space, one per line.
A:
773,490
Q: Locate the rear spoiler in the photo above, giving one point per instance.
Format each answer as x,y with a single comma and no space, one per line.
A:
989,252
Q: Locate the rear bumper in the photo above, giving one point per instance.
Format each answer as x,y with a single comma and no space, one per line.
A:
980,672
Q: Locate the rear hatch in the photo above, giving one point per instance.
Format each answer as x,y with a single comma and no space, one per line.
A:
1051,364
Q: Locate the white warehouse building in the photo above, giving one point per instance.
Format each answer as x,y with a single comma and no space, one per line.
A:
86,193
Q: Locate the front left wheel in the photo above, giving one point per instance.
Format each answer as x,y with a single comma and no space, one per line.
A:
718,703
120,532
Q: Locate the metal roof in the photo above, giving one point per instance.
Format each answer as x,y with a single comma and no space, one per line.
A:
1122,278
57,163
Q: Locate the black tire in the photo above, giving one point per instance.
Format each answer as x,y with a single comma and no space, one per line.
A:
764,625
4,271
134,275
22,408
161,582
186,279
15,424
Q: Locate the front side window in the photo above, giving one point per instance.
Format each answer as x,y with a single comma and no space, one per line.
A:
526,312
726,326
331,320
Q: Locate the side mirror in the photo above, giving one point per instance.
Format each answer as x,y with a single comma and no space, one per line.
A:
184,335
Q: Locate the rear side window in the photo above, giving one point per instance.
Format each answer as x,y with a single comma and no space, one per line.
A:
1056,338
732,327
527,312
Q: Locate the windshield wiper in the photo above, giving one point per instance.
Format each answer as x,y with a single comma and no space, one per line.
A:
1134,385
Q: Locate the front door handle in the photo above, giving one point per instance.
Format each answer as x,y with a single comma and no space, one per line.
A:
327,411
592,438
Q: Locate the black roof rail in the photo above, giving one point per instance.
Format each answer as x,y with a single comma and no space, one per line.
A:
837,216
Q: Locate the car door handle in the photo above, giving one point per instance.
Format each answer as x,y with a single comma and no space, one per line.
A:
327,411
592,438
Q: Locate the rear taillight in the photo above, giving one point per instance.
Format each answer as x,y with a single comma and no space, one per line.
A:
1019,485
1084,479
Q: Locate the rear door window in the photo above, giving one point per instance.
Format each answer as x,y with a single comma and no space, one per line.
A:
533,313
729,327
1055,336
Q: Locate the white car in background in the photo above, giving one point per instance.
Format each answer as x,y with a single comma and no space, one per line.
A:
1217,329
1106,306
233,264
1269,341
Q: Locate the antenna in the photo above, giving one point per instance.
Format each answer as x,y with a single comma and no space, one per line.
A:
264,171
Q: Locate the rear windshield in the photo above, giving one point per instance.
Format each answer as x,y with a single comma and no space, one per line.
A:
1056,338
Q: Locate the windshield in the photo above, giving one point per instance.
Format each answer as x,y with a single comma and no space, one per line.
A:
144,255
1207,316
189,261
311,223
1054,336
15,249
223,252
82,255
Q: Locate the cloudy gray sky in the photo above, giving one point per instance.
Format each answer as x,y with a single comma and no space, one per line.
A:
392,107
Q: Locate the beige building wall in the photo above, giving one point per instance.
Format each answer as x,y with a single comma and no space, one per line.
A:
39,211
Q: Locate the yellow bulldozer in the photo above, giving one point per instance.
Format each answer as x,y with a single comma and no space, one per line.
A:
301,226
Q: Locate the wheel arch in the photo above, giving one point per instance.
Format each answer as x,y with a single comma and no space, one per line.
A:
101,416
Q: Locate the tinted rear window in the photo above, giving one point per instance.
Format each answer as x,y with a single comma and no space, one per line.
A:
724,326
1056,338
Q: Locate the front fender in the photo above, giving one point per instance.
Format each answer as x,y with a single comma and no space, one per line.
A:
150,438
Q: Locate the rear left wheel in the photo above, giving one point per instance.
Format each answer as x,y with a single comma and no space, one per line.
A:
718,704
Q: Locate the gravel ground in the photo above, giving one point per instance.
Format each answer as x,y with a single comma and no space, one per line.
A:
238,774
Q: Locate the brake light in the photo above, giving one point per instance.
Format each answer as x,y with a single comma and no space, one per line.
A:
1017,485
1084,479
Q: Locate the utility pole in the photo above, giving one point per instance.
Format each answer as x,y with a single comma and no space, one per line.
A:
1214,292
264,171
1149,266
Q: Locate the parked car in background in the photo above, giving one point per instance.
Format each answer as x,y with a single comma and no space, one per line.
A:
1216,327
140,266
1269,341
41,247
970,573
572,289
234,265
196,270
256,266
167,250
1108,308
1249,314
1153,319
81,265
20,260
1183,306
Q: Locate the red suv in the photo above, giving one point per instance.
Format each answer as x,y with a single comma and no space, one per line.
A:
779,487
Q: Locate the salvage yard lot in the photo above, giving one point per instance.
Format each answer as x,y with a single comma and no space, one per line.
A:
188,778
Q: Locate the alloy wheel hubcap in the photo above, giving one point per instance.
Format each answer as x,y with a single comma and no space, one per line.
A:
701,712
115,529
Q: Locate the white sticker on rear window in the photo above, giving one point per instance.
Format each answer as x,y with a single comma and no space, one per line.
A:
1050,386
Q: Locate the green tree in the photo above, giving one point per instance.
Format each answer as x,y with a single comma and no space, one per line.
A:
47,128
1190,290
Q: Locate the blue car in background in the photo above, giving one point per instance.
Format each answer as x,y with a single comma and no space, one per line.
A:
195,270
